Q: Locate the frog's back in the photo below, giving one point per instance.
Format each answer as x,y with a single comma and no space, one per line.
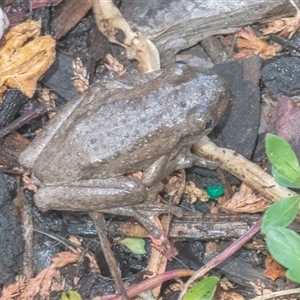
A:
133,128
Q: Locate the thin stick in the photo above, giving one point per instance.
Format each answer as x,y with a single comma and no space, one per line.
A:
222,256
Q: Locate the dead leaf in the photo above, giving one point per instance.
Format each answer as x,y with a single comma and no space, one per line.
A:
286,27
228,295
64,258
25,57
175,185
225,284
39,284
29,183
80,80
13,290
273,269
114,64
192,193
48,279
48,97
246,201
249,44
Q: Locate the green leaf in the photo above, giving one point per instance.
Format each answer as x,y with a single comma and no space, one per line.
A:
203,290
294,274
284,245
282,157
281,213
70,295
135,245
295,184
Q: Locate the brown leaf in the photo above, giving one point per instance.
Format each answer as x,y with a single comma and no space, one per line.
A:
64,258
273,269
41,282
47,279
228,295
175,185
13,290
245,201
285,27
25,57
80,80
192,193
249,44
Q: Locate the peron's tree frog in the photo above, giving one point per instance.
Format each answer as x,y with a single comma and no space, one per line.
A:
147,123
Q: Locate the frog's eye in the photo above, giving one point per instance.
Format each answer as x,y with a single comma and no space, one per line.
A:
209,124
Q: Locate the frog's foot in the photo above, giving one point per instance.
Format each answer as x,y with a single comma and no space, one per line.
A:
147,213
162,244
192,159
164,167
91,195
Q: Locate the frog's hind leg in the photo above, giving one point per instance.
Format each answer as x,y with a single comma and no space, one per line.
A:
91,195
146,214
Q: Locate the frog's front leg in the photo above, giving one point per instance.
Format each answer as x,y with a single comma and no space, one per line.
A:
120,195
166,165
146,213
91,195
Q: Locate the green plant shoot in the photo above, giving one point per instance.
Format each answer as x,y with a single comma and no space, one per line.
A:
285,170
283,243
134,244
203,290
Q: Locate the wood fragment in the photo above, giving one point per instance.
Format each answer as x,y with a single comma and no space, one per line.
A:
112,24
176,25
71,14
243,169
100,226
191,226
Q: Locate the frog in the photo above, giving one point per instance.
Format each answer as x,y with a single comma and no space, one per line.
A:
84,157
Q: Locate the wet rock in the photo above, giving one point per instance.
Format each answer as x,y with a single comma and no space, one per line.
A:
11,238
282,76
58,77
238,129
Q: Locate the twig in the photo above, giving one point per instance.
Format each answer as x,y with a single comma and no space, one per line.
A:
222,256
277,294
248,172
151,283
100,226
112,24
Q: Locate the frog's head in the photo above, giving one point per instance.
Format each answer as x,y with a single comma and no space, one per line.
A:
204,96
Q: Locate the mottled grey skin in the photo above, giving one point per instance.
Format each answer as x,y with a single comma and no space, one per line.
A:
136,123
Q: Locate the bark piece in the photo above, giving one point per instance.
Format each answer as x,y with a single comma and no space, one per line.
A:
70,15
176,25
239,126
115,27
243,169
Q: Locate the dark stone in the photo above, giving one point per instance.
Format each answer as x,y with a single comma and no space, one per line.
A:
282,76
58,77
238,129
11,238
